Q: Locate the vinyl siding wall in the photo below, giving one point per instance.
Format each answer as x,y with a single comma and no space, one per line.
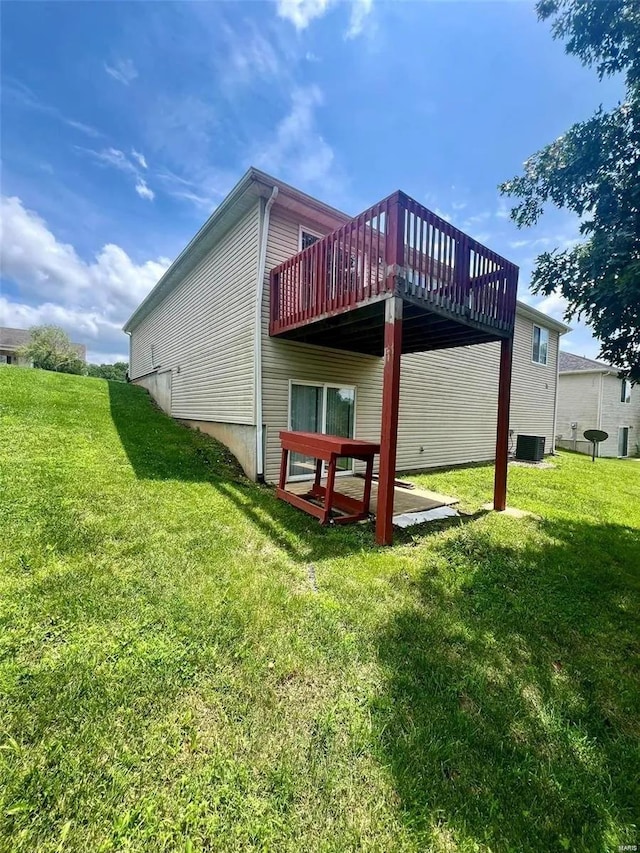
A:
448,398
592,400
449,401
616,414
577,403
533,387
203,332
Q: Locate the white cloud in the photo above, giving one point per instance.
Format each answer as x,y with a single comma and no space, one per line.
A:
204,194
297,151
475,219
122,70
443,214
302,12
581,342
554,305
360,10
559,241
143,190
250,55
184,133
90,300
21,94
113,157
140,158
118,160
83,327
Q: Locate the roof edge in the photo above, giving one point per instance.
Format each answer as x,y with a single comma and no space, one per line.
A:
605,370
181,265
587,365
165,280
540,316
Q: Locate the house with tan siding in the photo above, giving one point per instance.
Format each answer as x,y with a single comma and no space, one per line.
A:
594,395
206,345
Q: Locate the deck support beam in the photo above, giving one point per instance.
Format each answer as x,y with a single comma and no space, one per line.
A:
389,425
502,433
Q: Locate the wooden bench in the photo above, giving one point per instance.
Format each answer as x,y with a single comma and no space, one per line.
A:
327,448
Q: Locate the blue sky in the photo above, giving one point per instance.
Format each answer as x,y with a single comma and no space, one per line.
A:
125,124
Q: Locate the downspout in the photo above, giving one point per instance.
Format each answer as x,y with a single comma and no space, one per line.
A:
257,346
602,375
555,399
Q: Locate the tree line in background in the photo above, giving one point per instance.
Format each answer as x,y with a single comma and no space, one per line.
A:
51,349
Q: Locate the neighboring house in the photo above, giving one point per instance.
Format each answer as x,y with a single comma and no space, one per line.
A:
11,340
592,395
200,342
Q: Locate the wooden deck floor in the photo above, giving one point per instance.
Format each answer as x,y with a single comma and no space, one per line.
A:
405,500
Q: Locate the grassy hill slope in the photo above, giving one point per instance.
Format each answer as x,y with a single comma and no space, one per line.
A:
172,679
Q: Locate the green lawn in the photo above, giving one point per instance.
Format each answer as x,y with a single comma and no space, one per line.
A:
171,680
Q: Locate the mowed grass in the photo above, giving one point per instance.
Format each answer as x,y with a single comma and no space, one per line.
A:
171,680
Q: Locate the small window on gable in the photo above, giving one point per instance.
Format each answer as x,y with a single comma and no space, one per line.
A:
625,392
307,238
540,348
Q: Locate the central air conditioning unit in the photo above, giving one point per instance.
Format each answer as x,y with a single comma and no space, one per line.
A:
530,448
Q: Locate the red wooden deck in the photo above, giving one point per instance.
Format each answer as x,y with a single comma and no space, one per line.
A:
456,291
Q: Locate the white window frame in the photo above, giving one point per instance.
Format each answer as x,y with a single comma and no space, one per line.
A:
620,428
324,386
533,340
625,391
306,230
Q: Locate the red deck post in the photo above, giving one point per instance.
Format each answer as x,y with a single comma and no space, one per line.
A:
284,465
502,434
328,495
389,430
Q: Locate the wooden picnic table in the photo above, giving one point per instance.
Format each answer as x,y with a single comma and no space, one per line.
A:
327,448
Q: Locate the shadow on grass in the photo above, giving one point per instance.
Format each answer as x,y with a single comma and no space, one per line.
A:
509,716
512,714
159,448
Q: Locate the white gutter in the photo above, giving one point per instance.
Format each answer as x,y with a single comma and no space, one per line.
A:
257,346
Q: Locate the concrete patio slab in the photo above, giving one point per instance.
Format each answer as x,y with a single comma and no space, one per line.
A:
405,500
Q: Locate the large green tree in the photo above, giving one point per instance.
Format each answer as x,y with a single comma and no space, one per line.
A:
49,348
594,170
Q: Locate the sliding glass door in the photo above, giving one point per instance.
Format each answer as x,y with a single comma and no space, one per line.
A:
339,417
305,415
623,441
328,409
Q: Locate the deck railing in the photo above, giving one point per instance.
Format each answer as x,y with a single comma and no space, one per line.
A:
396,245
